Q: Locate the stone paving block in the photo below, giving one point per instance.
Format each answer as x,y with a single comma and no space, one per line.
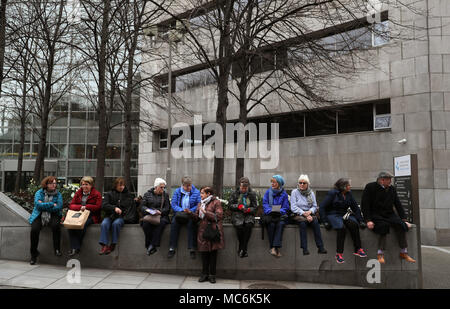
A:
48,271
131,278
162,278
157,285
192,283
114,286
86,283
30,281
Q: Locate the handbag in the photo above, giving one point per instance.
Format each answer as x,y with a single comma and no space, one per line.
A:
210,233
182,217
155,219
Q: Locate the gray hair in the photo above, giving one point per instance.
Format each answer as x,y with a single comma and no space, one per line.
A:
186,180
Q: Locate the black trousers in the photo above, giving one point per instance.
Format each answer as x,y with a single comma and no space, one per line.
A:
36,228
77,236
153,233
209,260
244,232
354,232
382,227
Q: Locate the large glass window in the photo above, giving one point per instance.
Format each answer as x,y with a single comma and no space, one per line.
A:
77,151
320,123
357,118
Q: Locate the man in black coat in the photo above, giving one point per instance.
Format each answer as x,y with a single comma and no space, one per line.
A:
377,205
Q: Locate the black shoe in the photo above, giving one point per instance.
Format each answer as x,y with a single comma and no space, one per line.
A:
151,250
305,252
212,279
171,253
241,253
72,252
322,251
203,278
33,260
245,254
193,255
57,252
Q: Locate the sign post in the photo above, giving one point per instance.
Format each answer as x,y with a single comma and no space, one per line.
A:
406,181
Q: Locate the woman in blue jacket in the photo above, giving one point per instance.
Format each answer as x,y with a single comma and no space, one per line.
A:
333,213
276,206
47,210
185,200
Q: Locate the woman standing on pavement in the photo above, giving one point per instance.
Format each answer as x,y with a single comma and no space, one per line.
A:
209,211
47,211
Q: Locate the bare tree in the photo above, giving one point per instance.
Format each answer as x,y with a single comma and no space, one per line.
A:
2,39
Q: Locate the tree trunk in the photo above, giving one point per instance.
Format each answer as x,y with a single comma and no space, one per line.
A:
240,162
23,119
101,109
2,39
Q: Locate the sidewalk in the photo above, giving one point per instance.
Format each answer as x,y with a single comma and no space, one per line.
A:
15,274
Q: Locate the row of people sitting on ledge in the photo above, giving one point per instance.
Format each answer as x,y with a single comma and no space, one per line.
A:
198,208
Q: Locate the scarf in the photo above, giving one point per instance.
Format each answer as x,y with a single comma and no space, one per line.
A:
84,198
203,206
185,199
48,197
273,192
307,194
243,198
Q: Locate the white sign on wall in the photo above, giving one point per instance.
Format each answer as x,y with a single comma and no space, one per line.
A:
402,166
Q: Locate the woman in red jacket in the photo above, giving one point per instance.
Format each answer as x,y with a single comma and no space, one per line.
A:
85,198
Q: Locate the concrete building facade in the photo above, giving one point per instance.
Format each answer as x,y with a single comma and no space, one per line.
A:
410,83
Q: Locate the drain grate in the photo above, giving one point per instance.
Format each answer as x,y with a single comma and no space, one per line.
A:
267,286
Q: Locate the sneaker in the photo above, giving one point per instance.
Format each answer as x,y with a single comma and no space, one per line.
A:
151,250
360,253
105,250
305,252
192,254
171,253
33,260
58,252
339,258
273,252
111,248
245,254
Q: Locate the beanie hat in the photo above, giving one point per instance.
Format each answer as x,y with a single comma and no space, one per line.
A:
279,179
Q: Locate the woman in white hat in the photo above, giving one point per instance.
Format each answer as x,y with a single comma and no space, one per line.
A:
155,202
304,206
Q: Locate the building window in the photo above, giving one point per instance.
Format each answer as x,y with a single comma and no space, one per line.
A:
382,115
320,123
358,118
163,139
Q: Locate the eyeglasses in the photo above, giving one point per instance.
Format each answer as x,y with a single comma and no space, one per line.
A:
302,183
51,183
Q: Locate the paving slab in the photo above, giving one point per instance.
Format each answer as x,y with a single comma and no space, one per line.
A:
158,285
192,283
86,283
30,282
123,277
114,286
162,278
47,271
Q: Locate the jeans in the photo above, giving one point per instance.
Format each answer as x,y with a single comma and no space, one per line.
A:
275,231
153,233
175,231
36,228
76,236
303,234
116,225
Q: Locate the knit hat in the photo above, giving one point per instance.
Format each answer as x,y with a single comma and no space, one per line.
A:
305,178
279,179
158,182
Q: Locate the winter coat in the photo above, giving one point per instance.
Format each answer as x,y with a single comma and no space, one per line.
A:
281,198
213,207
334,207
239,217
379,202
93,204
153,201
50,206
123,200
194,199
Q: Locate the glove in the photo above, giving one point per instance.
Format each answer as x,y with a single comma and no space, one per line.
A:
327,225
240,207
362,225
